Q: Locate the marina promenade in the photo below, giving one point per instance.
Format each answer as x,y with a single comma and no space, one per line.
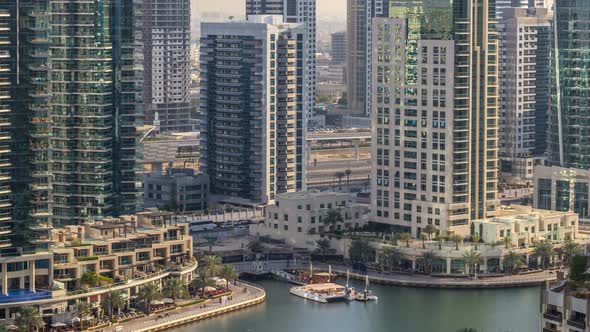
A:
179,316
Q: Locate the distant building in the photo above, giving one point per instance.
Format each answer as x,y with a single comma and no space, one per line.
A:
167,76
525,225
295,11
332,90
296,216
525,36
339,47
252,128
562,189
176,189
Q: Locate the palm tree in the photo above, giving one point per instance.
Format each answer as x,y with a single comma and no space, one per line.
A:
430,229
339,175
388,257
359,250
405,237
333,217
348,171
211,264
148,293
174,288
255,246
513,261
440,238
570,249
471,258
111,301
28,319
427,259
457,239
201,281
82,310
228,273
506,241
544,250
423,237
324,248
476,238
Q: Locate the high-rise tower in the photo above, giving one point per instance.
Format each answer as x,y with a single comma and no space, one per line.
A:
435,114
251,73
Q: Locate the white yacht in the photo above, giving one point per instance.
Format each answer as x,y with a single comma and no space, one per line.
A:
323,293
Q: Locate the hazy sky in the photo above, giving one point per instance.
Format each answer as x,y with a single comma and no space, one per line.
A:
325,7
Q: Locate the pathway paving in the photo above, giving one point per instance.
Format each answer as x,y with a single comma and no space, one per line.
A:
181,314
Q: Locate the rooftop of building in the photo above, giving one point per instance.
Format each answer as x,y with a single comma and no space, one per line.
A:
523,213
310,194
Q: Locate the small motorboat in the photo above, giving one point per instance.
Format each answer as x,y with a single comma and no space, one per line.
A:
366,295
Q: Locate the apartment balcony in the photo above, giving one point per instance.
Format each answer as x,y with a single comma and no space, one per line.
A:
580,324
553,315
548,329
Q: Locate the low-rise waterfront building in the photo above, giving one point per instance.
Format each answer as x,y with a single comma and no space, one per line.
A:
296,217
176,189
126,252
525,225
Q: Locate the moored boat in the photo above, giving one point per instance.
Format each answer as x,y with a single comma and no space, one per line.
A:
323,293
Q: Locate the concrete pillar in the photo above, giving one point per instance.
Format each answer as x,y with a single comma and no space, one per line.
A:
32,276
413,265
357,154
5,278
501,264
448,265
21,282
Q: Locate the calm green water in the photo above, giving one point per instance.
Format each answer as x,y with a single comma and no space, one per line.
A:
398,310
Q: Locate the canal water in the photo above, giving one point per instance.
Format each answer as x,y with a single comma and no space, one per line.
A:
399,309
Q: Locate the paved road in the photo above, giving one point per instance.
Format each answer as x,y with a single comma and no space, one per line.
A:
238,296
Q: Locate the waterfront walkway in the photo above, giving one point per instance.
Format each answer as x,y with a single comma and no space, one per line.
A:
183,315
419,280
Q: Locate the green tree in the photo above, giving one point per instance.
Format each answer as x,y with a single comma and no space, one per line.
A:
513,261
360,250
174,288
543,250
570,249
228,273
111,301
456,238
472,258
506,241
333,217
427,259
423,237
475,238
430,229
3,327
578,268
211,264
255,246
324,248
82,310
405,237
28,319
388,257
89,279
148,293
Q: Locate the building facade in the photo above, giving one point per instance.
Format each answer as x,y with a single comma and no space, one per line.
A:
339,47
435,142
562,189
75,103
525,36
359,36
296,11
568,140
564,308
177,189
167,68
251,133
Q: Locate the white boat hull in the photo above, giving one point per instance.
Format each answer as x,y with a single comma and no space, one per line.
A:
321,298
